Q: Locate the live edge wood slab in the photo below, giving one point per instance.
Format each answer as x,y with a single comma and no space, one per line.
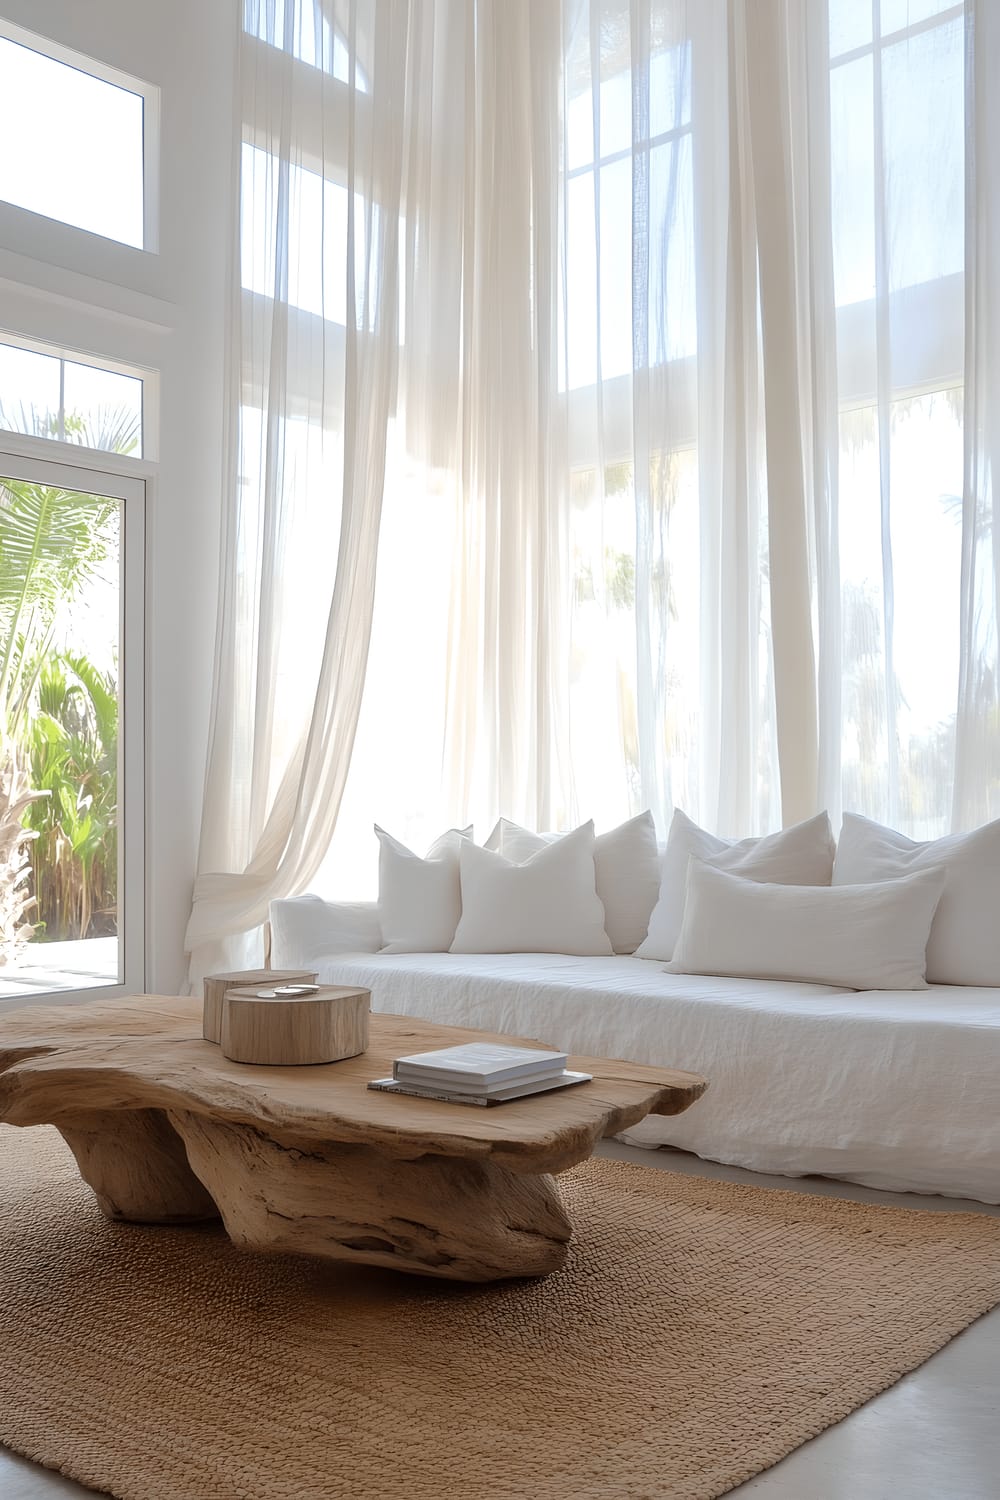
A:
167,1130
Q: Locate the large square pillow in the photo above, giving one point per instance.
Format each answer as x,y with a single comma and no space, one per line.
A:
626,869
857,937
419,900
547,904
964,945
800,855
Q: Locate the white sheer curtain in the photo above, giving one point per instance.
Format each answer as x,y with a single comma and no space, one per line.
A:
313,372
690,527
785,591
977,772
897,172
651,345
394,373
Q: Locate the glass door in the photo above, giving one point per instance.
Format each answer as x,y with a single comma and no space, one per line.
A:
71,757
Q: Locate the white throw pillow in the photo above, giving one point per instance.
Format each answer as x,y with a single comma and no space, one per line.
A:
627,871
548,904
964,945
419,900
800,855
858,937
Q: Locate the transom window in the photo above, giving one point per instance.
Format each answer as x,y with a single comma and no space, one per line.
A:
44,395
79,139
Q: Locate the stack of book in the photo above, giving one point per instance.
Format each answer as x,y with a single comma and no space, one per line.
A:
479,1073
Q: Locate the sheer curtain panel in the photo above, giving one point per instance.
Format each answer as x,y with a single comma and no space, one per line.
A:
394,375
313,372
781,528
977,778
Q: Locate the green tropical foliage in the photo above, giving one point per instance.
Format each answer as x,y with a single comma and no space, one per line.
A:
53,542
111,429
73,749
58,717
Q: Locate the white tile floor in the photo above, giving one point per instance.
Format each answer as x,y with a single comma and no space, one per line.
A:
934,1436
45,968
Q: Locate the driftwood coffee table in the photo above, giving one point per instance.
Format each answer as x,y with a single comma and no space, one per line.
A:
166,1130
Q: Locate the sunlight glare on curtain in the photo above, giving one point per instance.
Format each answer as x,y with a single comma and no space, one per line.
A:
897,147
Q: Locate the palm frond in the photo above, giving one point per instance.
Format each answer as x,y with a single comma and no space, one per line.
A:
50,542
102,692
107,427
112,429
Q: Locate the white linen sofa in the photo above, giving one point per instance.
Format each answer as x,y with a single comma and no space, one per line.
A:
894,1090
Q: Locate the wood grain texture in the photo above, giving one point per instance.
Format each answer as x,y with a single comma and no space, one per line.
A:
216,985
306,1157
470,1221
137,1166
295,1032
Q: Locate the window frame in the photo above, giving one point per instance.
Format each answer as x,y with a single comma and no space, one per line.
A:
337,37
936,305
149,403
150,95
131,489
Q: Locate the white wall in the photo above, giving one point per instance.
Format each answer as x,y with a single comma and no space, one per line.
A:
167,312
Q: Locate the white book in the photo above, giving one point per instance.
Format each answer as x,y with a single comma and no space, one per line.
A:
446,1095
480,1063
441,1078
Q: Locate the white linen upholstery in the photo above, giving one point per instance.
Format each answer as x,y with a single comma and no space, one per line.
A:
312,928
859,937
626,870
964,945
548,904
895,1090
899,1091
800,855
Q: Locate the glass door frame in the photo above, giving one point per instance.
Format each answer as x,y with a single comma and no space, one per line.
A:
89,477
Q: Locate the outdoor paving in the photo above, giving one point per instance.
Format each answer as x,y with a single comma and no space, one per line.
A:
61,966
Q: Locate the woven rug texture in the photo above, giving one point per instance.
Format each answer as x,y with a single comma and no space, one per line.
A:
700,1331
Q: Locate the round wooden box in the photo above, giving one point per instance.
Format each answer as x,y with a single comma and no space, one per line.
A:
290,1025
216,986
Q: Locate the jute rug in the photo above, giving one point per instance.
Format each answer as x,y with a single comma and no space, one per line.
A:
700,1331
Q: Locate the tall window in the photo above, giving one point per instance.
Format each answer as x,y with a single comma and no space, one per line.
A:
672,670
71,660
897,158
71,569
629,329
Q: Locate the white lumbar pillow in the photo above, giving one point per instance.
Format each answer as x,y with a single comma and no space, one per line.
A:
858,937
307,928
964,945
419,900
548,904
626,866
800,855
